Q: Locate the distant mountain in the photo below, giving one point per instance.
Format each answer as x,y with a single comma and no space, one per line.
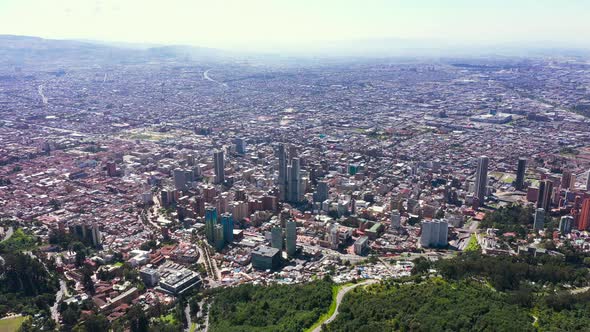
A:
34,51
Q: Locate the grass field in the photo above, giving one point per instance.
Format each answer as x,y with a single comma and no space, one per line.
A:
11,324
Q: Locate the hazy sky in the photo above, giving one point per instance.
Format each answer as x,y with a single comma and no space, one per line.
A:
234,23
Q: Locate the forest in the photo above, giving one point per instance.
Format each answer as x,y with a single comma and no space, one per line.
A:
472,292
286,308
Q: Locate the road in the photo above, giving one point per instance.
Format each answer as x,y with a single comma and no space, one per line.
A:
8,233
40,90
339,298
187,313
206,77
58,296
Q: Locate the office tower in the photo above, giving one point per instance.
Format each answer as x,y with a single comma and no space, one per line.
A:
282,155
291,237
434,234
395,219
276,240
321,193
481,179
219,237
240,145
545,195
180,179
565,224
573,180
539,219
210,222
566,178
219,164
227,222
520,173
584,219
294,181
96,236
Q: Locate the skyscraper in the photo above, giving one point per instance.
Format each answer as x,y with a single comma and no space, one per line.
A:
566,178
219,238
520,173
282,155
481,179
294,181
181,178
210,222
545,195
584,220
539,219
321,193
291,237
276,240
240,145
219,163
395,219
227,222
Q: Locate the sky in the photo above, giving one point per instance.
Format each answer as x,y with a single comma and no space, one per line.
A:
269,23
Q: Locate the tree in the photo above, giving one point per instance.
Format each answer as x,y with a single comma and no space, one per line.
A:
137,320
87,280
96,323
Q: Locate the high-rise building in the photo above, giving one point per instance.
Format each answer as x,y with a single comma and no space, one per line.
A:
294,181
566,178
180,179
565,224
240,145
282,155
276,240
539,219
520,174
227,222
545,195
584,219
291,237
210,222
219,164
481,179
321,193
434,234
333,236
96,236
395,219
588,182
219,237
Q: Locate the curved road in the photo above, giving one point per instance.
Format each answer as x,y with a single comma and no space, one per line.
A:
339,298
206,77
8,233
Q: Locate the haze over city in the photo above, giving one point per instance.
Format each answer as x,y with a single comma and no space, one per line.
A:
268,25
